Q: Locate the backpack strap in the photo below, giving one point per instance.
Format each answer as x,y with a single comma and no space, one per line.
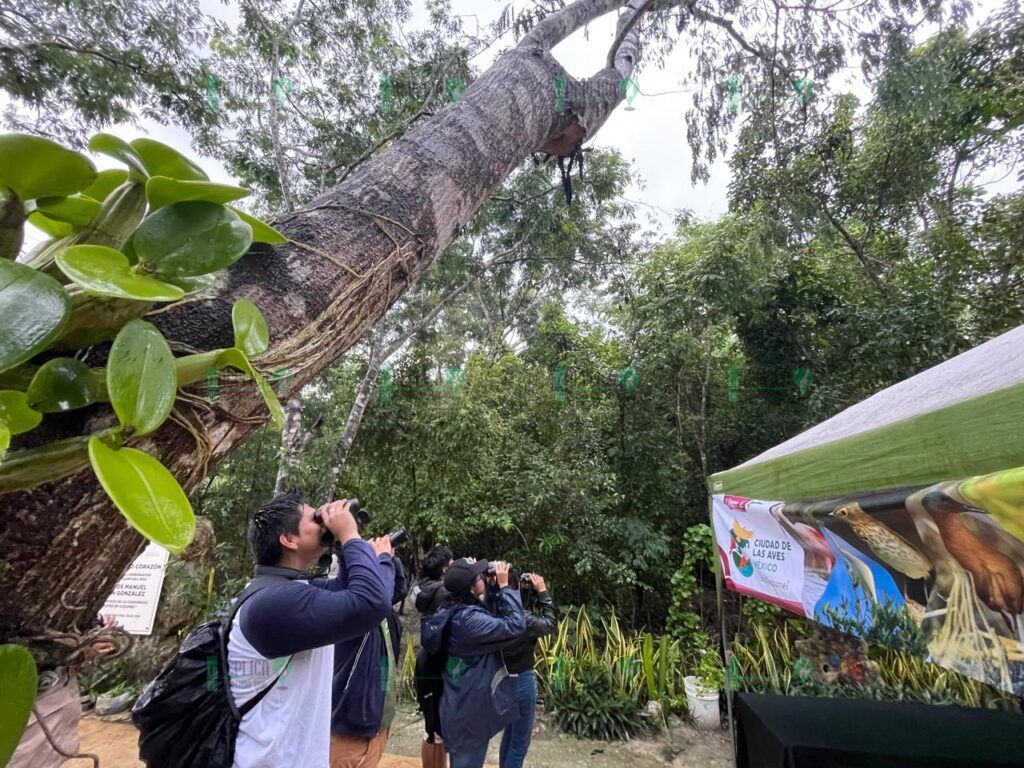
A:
265,576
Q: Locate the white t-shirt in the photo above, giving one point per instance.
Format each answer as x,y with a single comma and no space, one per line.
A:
291,726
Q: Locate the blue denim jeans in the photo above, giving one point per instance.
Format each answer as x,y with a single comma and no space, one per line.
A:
471,758
515,741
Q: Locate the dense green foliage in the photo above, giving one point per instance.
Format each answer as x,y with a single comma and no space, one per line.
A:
576,439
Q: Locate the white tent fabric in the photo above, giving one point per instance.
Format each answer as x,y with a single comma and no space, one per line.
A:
994,365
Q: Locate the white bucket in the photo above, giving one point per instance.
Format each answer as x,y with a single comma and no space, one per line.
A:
703,705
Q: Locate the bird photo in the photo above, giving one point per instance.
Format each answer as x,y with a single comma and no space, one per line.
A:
890,547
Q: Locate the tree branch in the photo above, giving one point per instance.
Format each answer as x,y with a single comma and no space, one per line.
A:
624,29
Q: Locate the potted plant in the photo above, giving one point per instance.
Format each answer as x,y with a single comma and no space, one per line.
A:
702,690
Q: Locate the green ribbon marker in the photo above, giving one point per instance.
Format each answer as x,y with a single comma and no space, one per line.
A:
455,86
733,389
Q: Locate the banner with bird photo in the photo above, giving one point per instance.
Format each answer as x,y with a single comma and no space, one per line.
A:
937,570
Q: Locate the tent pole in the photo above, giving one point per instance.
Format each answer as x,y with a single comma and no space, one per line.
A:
726,649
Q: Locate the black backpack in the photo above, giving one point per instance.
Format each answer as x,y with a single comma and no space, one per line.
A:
187,717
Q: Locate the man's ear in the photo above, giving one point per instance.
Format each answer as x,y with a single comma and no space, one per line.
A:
289,540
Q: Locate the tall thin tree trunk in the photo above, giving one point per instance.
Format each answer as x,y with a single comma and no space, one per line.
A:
378,356
291,442
350,255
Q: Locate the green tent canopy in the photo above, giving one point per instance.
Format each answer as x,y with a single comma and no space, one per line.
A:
962,417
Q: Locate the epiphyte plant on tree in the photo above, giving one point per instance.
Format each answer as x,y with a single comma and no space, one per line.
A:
72,333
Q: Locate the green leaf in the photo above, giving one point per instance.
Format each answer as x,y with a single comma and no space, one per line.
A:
33,310
162,160
50,226
106,182
237,359
191,238
141,380
106,272
162,190
16,413
261,231
195,284
18,682
35,167
5,438
119,149
62,384
73,210
251,334
146,493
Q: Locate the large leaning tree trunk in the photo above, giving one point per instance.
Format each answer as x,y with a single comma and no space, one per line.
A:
352,253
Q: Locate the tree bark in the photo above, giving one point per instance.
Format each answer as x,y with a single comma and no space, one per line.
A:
351,254
292,440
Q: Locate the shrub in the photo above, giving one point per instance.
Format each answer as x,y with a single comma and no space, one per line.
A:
589,708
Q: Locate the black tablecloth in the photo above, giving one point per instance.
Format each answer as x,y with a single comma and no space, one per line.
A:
804,732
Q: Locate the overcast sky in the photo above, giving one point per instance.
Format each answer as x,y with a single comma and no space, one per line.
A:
650,135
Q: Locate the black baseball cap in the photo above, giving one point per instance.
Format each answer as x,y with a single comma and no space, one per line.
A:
461,575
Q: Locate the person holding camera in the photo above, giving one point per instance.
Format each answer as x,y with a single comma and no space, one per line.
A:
428,595
541,620
284,634
479,695
363,700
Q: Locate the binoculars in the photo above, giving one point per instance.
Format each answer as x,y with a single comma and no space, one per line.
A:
362,516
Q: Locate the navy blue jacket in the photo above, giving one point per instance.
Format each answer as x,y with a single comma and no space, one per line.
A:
479,699
357,694
287,618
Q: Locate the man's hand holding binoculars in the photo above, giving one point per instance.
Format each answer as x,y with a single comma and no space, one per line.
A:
382,546
501,573
533,581
336,517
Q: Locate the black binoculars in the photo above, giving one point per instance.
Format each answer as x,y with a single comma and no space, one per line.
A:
362,517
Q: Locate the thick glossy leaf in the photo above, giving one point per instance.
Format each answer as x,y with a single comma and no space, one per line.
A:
251,334
163,190
162,160
106,272
191,238
106,182
128,249
33,310
141,381
261,231
18,683
195,284
50,226
5,439
237,359
76,210
16,413
146,493
119,149
36,167
62,384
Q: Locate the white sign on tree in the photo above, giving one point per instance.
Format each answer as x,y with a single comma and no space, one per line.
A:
133,601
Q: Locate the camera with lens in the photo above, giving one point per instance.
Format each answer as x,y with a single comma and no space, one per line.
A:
398,537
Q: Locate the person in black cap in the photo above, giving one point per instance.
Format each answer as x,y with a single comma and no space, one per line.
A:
479,697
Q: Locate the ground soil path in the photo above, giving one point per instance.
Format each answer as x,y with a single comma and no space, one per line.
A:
115,741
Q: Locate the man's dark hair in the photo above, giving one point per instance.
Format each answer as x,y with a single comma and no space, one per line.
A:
436,560
281,514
